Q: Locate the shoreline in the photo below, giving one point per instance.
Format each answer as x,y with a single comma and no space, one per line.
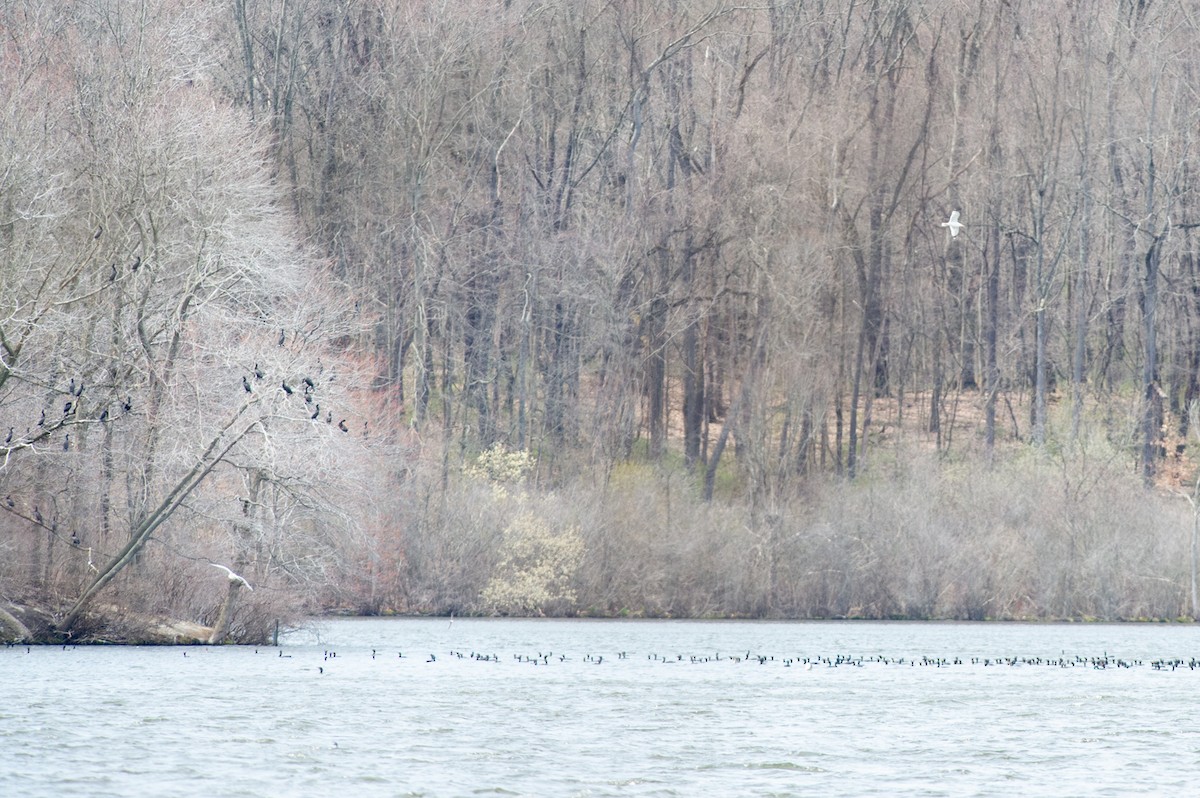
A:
22,625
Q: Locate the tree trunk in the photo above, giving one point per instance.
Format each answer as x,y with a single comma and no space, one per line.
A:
1152,397
656,376
221,629
693,395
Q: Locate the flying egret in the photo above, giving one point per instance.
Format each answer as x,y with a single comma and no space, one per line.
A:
232,576
953,224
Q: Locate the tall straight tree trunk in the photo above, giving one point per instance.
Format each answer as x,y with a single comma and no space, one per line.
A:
656,376
990,327
1152,398
1079,357
693,373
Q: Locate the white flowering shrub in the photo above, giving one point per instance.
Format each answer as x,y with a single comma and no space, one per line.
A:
536,561
500,466
536,566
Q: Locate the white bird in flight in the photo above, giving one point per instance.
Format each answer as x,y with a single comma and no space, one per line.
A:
953,224
232,576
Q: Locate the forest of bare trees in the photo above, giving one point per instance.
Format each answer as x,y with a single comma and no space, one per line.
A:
597,306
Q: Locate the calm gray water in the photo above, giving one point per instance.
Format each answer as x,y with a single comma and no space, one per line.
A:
236,721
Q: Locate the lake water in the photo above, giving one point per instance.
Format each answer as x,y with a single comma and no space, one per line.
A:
647,708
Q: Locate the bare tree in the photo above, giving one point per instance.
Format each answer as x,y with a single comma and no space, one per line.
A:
175,322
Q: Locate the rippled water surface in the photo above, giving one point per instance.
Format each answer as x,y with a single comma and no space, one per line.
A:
635,708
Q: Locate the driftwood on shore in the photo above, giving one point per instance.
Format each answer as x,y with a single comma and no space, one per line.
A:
11,628
178,633
21,624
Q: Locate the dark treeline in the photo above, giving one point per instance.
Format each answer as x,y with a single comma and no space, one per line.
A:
607,307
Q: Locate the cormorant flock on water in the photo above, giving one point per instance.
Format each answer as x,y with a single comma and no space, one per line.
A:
1104,661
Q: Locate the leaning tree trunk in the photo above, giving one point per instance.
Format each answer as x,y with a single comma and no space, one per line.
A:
221,630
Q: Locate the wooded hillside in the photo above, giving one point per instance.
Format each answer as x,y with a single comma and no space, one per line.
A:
609,307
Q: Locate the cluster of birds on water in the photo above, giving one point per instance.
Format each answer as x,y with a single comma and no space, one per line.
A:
1103,661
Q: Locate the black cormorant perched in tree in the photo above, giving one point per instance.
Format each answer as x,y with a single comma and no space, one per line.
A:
286,388
342,426
112,275
137,262
104,416
80,391
128,404
37,514
67,442
282,337
315,413
71,387
329,417
309,383
67,409
8,500
258,375
245,383
42,420
10,434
